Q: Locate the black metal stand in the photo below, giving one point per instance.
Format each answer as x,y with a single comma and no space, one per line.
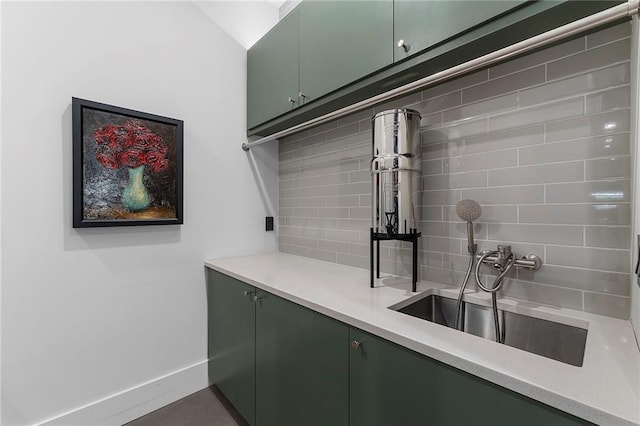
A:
376,237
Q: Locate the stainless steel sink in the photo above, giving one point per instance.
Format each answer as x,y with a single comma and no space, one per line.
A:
564,343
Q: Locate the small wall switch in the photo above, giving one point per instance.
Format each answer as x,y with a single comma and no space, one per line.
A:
269,223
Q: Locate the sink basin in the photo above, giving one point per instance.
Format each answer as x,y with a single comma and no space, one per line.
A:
564,343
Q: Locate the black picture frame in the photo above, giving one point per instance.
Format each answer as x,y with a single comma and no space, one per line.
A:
120,154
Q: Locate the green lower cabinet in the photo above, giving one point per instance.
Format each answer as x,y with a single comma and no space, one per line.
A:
231,333
392,385
302,366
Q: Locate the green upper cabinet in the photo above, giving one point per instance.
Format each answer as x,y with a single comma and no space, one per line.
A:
392,385
419,25
302,366
272,72
231,334
341,42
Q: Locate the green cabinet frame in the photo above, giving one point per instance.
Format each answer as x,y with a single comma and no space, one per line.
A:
281,364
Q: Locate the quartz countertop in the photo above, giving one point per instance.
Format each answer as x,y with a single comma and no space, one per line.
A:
605,390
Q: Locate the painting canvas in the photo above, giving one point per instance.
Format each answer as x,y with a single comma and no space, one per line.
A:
127,167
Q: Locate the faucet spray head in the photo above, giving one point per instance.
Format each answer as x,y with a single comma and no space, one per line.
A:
469,210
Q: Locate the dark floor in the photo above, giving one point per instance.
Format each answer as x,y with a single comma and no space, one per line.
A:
207,407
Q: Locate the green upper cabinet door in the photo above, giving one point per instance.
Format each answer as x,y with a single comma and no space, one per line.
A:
341,42
419,25
302,362
272,72
231,333
392,385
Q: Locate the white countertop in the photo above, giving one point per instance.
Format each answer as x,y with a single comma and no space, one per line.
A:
605,390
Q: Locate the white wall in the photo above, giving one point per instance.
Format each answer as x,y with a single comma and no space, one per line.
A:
97,317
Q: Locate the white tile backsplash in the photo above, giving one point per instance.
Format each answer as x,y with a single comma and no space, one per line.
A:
541,142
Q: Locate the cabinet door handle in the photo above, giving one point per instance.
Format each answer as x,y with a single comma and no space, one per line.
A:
402,45
256,298
301,96
293,101
356,345
249,292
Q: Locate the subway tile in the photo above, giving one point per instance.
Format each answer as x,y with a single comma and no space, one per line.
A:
347,130
442,276
575,85
286,184
293,221
455,262
545,173
526,194
365,200
343,201
579,149
321,222
354,188
609,100
289,230
540,293
365,125
431,212
455,180
609,305
576,214
299,241
288,202
298,251
608,168
456,84
365,114
297,136
359,212
609,34
343,166
512,138
312,202
617,191
355,261
354,224
336,212
439,103
441,244
323,127
342,235
329,256
505,84
591,258
431,167
315,233
306,182
485,107
431,259
589,126
463,129
580,279
361,250
608,237
543,234
432,150
335,246
308,145
431,120
531,60
589,59
490,213
431,198
304,212
481,161
360,176
456,229
538,114
401,102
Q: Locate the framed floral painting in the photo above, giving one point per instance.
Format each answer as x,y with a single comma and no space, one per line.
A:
127,167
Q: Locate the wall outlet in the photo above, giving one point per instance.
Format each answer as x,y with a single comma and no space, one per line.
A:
269,223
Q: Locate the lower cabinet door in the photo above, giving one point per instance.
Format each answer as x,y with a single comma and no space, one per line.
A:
302,361
231,329
392,385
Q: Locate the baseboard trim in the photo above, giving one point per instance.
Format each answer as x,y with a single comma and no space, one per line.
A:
122,407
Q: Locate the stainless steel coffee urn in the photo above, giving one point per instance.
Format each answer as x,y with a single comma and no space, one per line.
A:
395,172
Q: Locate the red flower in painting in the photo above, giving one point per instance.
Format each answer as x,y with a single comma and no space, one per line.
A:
131,145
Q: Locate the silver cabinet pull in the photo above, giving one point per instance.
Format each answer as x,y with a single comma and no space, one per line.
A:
249,292
293,101
356,345
256,298
402,45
